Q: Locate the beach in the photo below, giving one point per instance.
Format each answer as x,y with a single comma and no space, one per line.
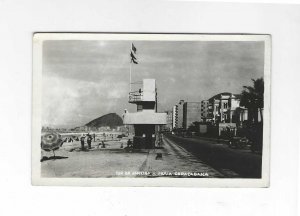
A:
114,161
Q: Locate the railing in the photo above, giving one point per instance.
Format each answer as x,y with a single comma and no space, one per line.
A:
135,96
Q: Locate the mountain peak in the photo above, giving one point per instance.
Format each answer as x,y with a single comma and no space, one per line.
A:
111,119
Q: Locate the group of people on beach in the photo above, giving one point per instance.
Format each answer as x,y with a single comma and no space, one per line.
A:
70,139
89,139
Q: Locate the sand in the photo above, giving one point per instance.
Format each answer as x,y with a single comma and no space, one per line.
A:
114,161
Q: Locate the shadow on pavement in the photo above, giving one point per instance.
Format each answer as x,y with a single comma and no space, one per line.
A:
52,158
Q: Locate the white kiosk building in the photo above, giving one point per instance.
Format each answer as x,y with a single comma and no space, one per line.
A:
146,120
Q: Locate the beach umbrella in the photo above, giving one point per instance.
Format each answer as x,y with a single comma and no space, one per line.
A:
51,141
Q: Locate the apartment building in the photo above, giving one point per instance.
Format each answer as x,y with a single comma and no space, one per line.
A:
191,113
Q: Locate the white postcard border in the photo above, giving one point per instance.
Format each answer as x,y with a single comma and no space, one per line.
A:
38,39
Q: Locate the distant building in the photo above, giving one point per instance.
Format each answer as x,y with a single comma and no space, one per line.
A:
180,114
205,110
243,115
104,128
169,125
222,107
191,113
175,117
83,128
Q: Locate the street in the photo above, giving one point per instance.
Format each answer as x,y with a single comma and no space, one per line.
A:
229,162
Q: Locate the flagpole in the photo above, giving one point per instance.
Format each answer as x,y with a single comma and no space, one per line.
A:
130,70
130,77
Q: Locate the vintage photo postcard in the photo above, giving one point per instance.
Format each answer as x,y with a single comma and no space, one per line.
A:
184,110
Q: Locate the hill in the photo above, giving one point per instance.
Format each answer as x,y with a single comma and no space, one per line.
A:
112,120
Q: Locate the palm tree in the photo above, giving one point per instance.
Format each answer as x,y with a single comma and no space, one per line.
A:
253,99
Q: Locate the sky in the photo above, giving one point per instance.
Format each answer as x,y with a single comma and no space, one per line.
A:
83,80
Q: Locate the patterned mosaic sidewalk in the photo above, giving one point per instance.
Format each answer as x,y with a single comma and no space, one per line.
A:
177,162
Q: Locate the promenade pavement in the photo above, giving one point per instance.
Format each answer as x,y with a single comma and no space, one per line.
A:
114,161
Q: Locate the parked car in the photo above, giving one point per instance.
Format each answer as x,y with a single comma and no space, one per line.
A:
239,142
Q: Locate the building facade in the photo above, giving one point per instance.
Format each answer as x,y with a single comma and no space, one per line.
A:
169,125
180,114
146,120
205,110
222,107
191,113
175,117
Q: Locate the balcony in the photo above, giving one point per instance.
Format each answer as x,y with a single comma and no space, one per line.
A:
136,96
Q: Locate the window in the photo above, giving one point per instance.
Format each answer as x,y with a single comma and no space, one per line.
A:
225,105
139,107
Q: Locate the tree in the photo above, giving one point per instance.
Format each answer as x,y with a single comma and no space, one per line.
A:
194,127
253,99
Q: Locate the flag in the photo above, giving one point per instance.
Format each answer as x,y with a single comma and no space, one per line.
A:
132,52
133,48
132,56
134,61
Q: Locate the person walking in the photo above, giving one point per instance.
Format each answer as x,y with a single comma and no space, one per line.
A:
89,141
82,142
129,144
160,140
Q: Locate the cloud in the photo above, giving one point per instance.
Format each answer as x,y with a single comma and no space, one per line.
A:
83,80
67,102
